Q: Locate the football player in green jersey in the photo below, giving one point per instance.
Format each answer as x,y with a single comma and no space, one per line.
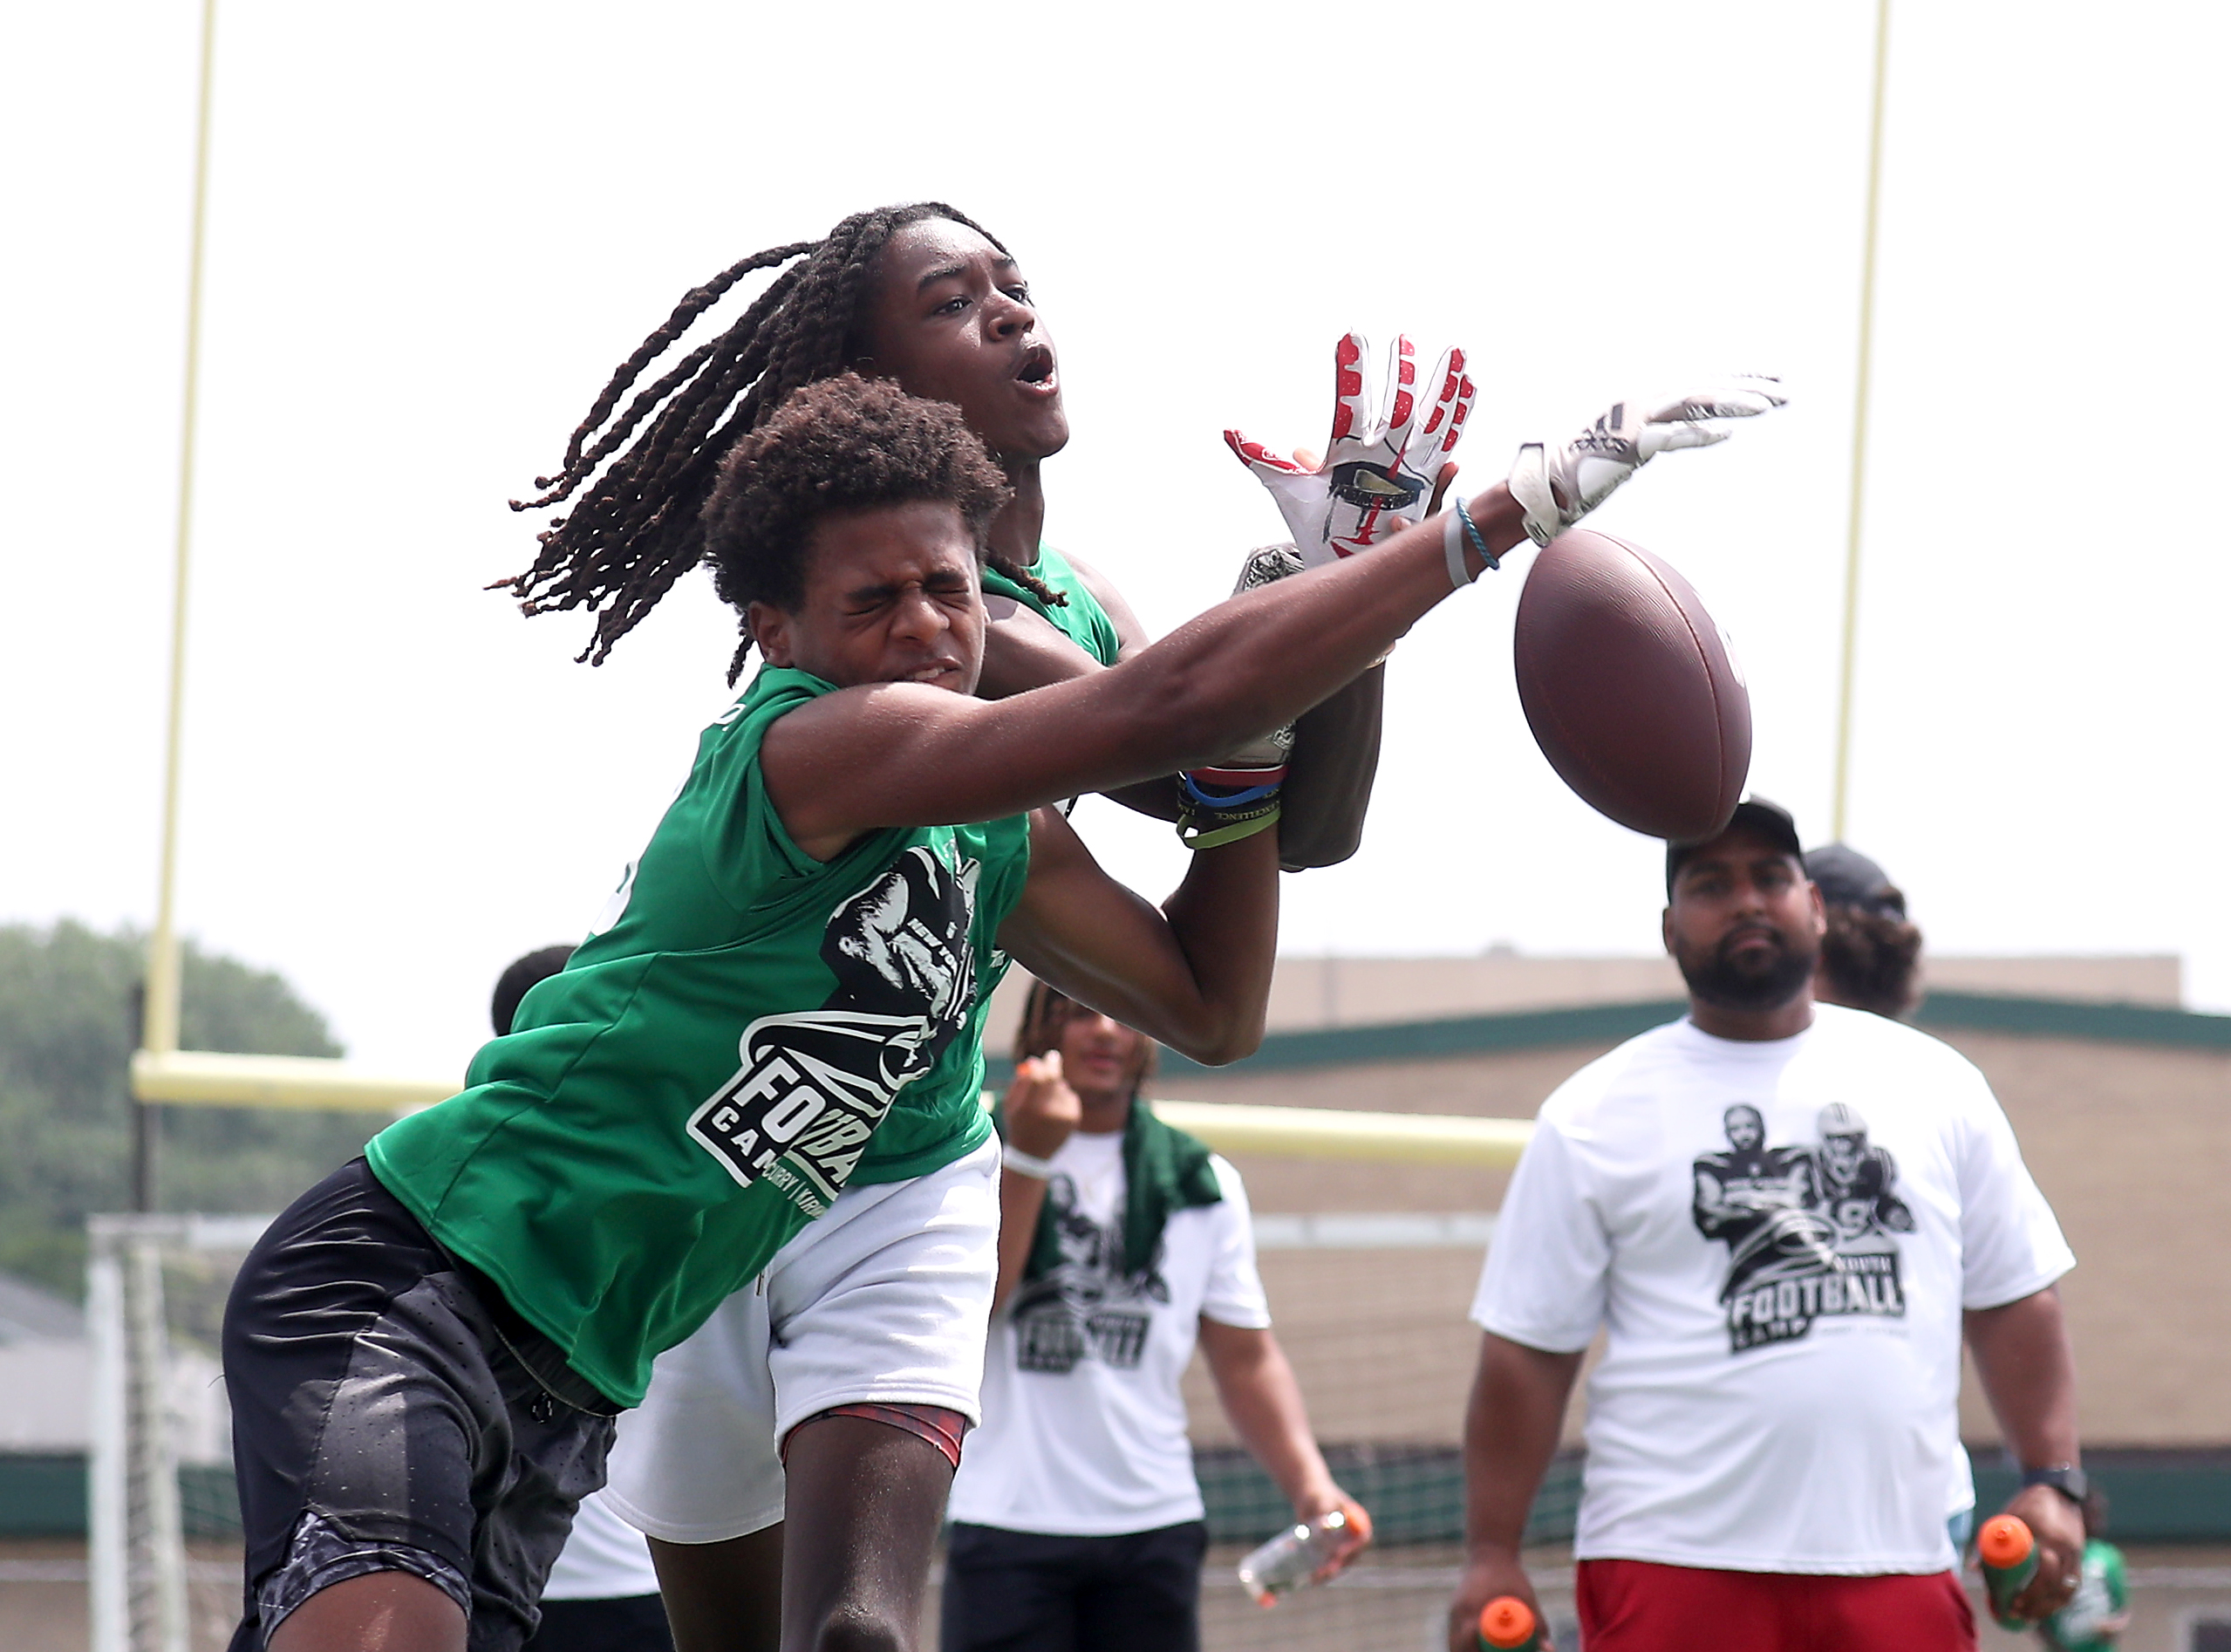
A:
925,297
784,1007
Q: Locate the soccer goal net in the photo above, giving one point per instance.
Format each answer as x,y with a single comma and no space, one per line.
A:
163,1554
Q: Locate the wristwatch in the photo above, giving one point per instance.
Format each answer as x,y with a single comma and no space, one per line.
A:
2071,1483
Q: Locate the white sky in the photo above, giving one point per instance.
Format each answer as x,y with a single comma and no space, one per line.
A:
435,228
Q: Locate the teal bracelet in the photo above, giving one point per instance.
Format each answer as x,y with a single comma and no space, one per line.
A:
1475,539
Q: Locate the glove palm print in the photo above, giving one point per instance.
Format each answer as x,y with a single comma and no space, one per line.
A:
1379,470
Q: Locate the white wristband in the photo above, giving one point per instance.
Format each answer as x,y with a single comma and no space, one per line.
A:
1026,1163
1453,548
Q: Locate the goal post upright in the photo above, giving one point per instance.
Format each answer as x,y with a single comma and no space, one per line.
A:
159,1025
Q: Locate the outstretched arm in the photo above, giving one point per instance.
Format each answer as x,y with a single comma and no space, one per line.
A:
911,754
1195,974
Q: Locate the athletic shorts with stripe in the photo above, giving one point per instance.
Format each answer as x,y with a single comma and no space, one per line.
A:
885,1300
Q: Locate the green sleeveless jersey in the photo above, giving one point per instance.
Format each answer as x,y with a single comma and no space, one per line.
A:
747,1031
1082,619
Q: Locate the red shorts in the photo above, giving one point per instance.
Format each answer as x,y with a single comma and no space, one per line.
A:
1638,1605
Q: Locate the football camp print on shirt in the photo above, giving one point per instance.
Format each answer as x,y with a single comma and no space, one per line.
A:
1087,1307
812,1086
1809,1230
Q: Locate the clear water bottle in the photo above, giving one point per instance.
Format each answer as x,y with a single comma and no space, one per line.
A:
1289,1560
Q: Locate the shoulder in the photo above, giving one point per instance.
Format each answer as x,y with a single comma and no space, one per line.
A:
1097,585
1891,1046
773,693
1630,1069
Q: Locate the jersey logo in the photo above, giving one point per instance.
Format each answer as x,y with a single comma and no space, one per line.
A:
1809,1231
812,1086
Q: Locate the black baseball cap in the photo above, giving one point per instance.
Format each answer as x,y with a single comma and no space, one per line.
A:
1770,820
1849,878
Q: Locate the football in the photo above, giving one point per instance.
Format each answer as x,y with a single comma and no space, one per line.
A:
1631,690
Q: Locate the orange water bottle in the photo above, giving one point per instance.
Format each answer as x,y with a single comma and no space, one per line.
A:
2008,1553
1508,1624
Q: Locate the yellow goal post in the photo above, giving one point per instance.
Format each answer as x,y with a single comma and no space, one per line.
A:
199,1078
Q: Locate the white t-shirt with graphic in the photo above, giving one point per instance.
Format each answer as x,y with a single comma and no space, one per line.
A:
1779,1239
1084,1428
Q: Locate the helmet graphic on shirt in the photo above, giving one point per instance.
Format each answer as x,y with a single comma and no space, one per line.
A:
1809,1230
1836,1119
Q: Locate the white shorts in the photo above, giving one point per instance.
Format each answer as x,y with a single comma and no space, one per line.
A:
884,1299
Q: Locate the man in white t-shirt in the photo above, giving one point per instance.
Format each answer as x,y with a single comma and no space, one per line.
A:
1077,1524
1782,1215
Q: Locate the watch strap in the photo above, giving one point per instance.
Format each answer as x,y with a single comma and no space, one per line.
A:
2070,1482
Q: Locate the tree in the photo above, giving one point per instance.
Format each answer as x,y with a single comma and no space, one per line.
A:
66,1038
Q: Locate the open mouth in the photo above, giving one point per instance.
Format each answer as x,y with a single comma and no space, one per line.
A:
1036,369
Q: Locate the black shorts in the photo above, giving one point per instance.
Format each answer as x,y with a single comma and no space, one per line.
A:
392,1413
1025,1592
618,1623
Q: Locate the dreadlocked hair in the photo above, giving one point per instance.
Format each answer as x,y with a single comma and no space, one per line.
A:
636,527
1046,1011
846,443
1870,960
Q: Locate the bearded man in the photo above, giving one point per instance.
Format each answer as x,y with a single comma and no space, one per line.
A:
1773,1423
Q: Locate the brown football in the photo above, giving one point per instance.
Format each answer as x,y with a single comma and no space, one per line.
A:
1630,688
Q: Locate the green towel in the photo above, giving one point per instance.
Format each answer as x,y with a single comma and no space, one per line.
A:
1164,1170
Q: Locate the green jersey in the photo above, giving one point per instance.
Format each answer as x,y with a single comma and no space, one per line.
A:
1081,619
747,1031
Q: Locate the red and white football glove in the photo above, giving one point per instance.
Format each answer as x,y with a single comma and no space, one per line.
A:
1378,472
1557,486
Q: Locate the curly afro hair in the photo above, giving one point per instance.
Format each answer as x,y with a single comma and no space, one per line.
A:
1870,961
845,443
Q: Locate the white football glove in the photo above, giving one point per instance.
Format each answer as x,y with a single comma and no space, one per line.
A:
1264,567
1557,486
1378,472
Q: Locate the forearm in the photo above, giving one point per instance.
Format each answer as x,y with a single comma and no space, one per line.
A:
1023,652
1264,659
2028,1371
900,755
2029,1374
1195,976
1224,919
1257,1388
1511,1426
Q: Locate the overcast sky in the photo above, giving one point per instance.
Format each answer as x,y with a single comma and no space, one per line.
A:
435,228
